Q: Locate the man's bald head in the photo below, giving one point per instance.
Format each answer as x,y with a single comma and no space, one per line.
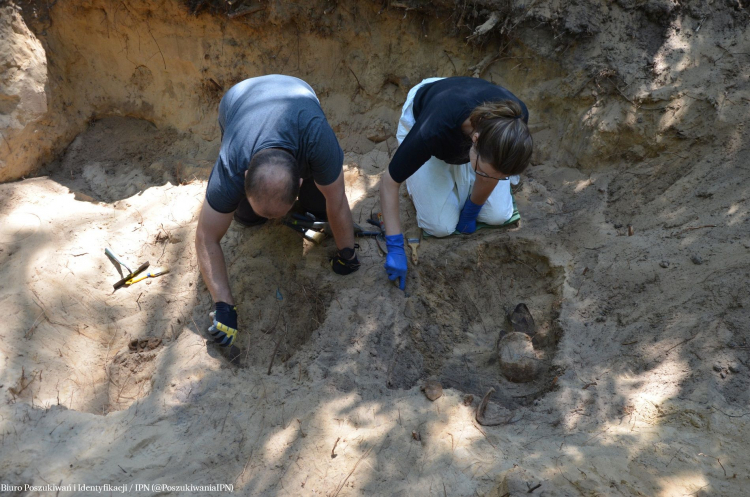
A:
272,182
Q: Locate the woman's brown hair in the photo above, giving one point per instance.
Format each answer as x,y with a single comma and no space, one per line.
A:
504,139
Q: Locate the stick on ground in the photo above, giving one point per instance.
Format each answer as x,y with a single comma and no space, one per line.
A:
276,349
34,325
343,482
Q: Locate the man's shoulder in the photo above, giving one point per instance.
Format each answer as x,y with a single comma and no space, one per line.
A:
272,85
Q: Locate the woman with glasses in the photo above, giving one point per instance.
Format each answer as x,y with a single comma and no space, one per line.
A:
460,139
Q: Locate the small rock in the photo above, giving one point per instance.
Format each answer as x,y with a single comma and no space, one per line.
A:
379,132
432,390
82,197
664,264
697,260
416,436
734,368
722,375
400,81
717,368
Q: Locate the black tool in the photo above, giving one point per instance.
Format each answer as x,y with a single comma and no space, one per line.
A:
315,230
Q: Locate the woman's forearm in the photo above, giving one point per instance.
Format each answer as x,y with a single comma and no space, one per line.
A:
483,187
389,204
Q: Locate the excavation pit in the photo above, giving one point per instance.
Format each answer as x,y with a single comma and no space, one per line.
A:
459,296
460,309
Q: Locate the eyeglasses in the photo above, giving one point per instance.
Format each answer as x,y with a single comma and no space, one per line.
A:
482,173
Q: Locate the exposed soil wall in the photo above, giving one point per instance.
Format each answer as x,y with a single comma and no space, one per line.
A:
599,77
23,94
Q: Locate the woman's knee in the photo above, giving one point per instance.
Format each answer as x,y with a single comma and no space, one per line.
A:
439,231
438,224
496,216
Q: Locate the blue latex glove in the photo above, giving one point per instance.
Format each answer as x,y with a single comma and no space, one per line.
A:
224,329
467,221
395,259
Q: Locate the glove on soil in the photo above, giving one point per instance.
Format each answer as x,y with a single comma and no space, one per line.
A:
345,261
467,221
224,329
395,259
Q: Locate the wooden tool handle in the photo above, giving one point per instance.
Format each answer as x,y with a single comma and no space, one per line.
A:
120,283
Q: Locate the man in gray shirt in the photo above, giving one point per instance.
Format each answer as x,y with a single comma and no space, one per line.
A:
276,146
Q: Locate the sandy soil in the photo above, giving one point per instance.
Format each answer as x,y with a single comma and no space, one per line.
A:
632,256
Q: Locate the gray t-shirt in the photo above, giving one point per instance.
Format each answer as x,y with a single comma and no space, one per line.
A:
272,111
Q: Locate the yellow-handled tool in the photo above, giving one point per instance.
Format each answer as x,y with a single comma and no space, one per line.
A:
151,274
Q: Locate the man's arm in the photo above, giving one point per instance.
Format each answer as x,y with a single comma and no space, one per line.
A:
339,214
212,226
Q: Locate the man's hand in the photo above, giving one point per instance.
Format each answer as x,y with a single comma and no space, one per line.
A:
224,329
395,259
467,221
345,261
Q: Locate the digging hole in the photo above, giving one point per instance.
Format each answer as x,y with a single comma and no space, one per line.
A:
459,311
131,372
279,311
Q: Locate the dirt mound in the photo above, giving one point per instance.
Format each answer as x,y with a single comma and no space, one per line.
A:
118,157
